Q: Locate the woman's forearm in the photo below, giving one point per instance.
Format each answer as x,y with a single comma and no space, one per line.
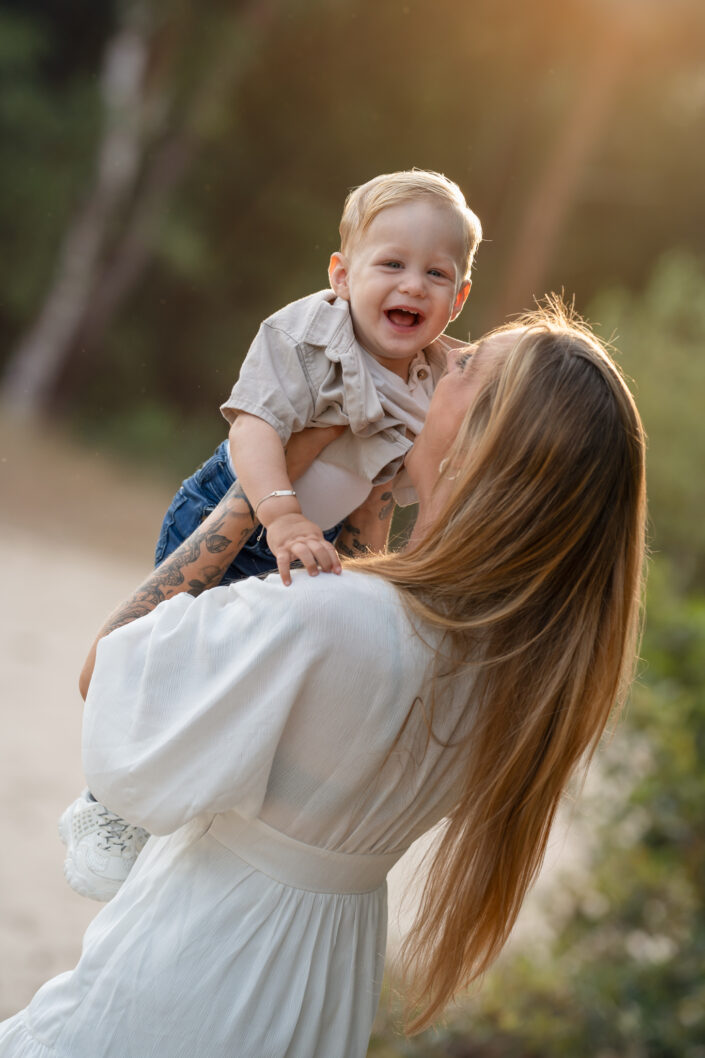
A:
197,564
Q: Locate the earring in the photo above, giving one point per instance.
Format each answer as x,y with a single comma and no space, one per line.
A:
442,468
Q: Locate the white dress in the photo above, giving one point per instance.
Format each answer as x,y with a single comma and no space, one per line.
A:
252,728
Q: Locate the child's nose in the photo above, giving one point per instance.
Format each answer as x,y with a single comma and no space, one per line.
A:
412,283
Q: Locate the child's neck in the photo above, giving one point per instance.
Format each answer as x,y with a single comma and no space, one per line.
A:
396,366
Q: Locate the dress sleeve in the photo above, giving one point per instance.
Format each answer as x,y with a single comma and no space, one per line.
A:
273,384
187,704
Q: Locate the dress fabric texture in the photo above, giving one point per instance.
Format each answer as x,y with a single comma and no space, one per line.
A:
252,731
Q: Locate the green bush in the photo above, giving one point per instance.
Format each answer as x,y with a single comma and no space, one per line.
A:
660,336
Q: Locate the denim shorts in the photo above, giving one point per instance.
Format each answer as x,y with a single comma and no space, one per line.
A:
195,500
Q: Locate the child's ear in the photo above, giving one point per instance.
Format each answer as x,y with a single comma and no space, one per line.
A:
461,298
338,275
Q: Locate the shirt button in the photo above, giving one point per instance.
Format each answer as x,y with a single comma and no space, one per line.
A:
422,373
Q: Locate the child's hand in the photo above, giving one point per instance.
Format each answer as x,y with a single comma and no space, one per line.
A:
292,537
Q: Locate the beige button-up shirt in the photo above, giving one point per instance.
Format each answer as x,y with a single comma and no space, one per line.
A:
306,368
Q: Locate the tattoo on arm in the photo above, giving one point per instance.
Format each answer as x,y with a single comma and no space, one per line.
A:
348,543
216,542
387,506
343,549
222,534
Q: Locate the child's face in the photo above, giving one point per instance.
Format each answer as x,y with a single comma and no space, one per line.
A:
404,281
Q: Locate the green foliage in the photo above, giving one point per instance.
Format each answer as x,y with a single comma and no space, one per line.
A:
660,335
156,436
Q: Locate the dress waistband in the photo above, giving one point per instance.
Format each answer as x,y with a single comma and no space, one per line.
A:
301,866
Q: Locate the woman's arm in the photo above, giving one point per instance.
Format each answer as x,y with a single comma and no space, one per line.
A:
195,565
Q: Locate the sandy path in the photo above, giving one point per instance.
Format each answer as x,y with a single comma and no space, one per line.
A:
41,651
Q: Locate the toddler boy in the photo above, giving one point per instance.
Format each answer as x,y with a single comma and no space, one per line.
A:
365,354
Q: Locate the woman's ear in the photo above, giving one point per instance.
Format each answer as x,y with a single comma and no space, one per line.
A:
461,298
338,275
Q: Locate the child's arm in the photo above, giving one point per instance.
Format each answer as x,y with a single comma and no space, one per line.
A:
259,460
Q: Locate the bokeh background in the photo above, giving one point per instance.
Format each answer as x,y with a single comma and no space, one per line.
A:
171,173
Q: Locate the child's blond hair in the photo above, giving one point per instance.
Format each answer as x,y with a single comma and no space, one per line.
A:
391,189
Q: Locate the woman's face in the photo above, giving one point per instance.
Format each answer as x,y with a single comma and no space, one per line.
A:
469,370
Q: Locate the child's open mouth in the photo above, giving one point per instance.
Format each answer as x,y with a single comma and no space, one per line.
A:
404,317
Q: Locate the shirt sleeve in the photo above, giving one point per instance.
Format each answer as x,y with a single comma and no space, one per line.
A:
403,491
187,704
273,384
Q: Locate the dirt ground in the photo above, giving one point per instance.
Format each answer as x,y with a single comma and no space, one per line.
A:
77,534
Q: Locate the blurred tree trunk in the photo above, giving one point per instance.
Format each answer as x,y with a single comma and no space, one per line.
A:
558,183
110,240
36,363
206,116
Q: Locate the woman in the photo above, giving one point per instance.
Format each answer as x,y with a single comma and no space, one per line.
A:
290,743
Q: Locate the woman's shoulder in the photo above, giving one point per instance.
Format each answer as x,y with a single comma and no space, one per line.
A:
354,599
351,588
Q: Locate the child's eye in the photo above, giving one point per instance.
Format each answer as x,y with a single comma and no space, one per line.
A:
437,274
393,264
463,359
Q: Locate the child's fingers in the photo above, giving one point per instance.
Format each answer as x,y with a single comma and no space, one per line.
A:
313,552
284,566
326,556
317,555
336,566
304,553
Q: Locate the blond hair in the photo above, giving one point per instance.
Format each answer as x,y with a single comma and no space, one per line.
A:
364,203
533,571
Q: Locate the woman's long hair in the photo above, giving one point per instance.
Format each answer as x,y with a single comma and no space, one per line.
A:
533,572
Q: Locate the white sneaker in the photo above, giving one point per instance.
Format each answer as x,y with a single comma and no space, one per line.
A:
101,848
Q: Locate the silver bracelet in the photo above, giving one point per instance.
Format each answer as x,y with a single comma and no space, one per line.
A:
270,495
